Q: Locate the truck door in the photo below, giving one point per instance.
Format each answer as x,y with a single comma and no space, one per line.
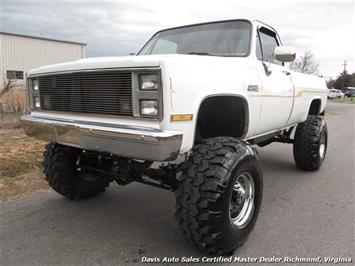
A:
277,90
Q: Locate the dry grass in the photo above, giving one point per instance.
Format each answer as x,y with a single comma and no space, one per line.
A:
20,158
14,101
346,100
12,97
22,185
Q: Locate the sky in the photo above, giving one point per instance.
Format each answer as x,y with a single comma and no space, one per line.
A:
116,28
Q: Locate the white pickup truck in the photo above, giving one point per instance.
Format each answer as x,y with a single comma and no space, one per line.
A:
184,114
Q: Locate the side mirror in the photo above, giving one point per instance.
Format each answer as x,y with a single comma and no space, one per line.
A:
285,53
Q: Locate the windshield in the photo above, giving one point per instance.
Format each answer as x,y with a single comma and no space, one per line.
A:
230,38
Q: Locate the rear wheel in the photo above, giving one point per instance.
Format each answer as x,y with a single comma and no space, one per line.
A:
219,194
62,171
310,144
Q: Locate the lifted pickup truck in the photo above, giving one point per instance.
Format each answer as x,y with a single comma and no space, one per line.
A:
184,114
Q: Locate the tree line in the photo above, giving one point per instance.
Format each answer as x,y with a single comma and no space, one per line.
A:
348,79
305,64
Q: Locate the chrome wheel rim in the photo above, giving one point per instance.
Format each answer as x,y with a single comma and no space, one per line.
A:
241,207
322,145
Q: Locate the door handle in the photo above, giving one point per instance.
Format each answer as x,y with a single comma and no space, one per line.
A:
285,72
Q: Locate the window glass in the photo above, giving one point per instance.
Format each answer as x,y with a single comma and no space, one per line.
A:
164,47
259,53
230,38
268,42
13,74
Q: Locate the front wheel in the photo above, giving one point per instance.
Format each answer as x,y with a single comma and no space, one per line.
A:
64,175
310,143
219,194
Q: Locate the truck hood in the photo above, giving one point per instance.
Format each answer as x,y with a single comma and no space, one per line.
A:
120,62
99,62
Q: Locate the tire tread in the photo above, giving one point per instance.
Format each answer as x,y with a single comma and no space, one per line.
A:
201,186
55,164
306,144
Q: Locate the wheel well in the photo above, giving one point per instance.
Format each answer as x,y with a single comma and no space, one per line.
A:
222,116
314,109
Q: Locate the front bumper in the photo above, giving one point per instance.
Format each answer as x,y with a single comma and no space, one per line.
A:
126,141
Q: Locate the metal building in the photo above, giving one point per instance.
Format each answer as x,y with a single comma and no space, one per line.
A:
20,53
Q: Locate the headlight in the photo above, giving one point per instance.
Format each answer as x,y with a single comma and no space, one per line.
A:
149,107
36,102
148,82
35,86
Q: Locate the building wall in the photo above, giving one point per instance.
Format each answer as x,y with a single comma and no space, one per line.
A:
1,58
24,53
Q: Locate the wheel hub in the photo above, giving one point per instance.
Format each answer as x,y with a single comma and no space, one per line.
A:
322,145
242,200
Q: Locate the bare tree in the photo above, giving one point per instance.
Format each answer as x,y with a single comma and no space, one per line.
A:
12,100
7,85
305,64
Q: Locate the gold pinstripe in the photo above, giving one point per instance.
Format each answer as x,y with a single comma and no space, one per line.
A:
299,94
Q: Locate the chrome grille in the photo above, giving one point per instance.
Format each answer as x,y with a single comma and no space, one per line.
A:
107,92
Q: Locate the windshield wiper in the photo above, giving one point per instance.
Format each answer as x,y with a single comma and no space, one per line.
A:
199,53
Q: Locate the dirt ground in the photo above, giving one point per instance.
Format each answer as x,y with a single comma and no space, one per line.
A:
20,164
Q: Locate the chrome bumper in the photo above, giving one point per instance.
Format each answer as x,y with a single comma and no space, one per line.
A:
126,141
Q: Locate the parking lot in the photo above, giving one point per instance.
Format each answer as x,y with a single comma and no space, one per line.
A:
305,214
